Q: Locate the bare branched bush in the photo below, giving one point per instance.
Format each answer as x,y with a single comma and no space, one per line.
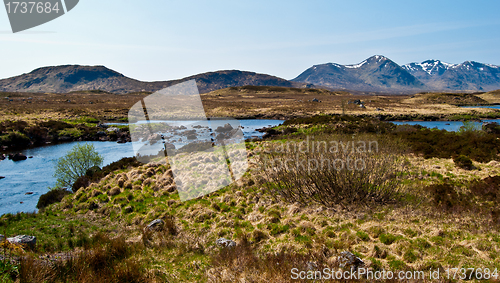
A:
333,170
105,260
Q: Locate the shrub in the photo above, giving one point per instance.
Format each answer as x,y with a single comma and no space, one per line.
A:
102,260
52,196
445,196
14,138
258,235
291,176
482,147
486,189
75,164
463,162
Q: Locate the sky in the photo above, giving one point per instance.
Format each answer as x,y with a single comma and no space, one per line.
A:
158,40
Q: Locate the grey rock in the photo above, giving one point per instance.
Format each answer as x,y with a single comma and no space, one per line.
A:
225,243
311,265
23,240
155,224
349,260
113,129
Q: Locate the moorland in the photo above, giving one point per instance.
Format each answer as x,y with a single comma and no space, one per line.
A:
423,199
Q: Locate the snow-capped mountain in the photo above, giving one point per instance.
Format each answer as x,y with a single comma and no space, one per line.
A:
377,73
429,67
469,75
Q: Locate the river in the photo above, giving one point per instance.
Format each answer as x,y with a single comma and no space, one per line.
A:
35,175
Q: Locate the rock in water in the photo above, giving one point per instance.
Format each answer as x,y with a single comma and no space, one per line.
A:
23,240
2,177
155,224
349,260
17,157
225,243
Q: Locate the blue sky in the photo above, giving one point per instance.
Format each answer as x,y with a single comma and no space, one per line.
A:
164,39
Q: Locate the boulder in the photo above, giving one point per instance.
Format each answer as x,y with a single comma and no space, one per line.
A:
315,100
2,177
225,243
155,224
23,240
226,128
17,157
349,260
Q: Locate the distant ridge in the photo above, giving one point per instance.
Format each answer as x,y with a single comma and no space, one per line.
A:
68,78
375,74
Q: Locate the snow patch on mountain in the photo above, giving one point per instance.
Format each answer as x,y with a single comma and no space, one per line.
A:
357,65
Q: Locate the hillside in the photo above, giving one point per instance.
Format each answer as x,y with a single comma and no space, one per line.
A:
68,78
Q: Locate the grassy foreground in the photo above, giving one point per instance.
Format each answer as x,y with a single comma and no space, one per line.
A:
410,208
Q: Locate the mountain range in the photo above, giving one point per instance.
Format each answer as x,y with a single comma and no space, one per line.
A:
375,74
379,73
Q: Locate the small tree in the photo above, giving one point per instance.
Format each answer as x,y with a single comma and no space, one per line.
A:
75,164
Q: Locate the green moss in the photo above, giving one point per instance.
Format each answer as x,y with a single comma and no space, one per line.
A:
363,236
387,238
70,132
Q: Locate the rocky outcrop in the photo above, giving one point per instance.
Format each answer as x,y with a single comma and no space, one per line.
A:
225,243
29,241
349,260
155,225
